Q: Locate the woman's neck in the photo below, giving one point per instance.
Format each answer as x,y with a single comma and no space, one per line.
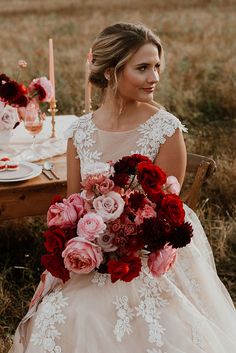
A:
117,109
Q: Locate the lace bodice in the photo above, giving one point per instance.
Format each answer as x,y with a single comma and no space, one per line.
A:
94,145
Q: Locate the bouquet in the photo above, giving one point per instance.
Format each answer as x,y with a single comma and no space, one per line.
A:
126,210
17,100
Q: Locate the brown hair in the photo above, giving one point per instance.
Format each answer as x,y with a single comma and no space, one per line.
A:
115,45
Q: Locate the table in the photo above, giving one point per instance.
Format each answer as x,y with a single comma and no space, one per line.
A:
32,197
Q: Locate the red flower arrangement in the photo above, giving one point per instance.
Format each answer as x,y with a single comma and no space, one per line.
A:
26,100
126,211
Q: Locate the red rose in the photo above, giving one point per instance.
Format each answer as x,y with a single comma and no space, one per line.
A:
124,269
55,265
172,210
151,178
55,240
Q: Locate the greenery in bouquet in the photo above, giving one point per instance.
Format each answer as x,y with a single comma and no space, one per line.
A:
126,211
18,100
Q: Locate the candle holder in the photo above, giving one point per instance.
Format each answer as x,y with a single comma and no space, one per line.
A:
53,109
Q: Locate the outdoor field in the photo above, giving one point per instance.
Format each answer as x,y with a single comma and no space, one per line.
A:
198,86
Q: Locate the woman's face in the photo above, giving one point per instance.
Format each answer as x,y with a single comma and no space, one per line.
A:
140,75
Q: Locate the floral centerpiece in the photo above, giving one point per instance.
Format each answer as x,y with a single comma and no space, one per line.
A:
16,99
126,211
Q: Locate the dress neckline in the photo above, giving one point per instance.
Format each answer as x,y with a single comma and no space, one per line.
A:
125,131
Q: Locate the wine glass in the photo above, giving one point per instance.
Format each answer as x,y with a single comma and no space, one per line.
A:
33,122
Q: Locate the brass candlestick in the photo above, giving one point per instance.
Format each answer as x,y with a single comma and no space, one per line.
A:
53,109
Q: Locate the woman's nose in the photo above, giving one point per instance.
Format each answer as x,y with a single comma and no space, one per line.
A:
153,76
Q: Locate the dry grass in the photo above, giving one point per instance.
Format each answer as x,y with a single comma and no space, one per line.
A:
198,86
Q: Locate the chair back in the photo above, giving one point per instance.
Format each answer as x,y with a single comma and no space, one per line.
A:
201,168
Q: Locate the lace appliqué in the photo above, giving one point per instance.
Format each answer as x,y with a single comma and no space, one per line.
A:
124,314
150,306
154,132
51,314
197,338
83,131
99,279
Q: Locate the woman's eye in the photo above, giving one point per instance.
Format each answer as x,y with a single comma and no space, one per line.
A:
142,68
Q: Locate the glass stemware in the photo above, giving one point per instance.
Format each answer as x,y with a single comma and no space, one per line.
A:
33,122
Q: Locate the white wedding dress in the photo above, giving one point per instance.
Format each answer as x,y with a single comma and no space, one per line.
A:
187,310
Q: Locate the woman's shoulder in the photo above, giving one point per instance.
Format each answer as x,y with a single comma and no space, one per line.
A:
163,121
80,123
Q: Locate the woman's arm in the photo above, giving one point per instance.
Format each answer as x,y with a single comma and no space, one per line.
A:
172,156
73,169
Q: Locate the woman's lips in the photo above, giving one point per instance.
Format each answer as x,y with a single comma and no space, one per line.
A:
149,89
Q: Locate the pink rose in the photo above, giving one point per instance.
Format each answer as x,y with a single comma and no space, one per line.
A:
105,241
90,226
90,182
77,201
109,206
8,117
172,186
81,256
62,214
160,262
105,186
43,87
146,212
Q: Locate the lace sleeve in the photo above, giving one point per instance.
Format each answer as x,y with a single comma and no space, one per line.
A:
70,132
155,131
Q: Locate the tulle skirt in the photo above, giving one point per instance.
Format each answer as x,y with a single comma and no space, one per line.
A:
187,310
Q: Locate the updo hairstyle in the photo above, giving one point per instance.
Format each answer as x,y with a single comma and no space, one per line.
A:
114,46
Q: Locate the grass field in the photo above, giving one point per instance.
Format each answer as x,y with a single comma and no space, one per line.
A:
198,86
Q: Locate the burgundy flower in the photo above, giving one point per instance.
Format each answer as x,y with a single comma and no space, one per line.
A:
121,179
152,233
128,164
9,91
55,240
4,78
125,269
55,265
20,101
181,236
41,91
137,200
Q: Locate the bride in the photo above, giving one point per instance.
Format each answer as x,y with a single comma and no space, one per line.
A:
187,310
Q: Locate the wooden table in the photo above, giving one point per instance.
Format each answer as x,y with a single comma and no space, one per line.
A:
32,197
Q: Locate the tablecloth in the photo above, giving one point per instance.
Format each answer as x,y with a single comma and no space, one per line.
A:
20,146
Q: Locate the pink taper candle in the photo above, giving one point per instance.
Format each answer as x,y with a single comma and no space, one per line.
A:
51,67
88,86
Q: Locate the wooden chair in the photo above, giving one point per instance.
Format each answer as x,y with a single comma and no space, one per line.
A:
201,168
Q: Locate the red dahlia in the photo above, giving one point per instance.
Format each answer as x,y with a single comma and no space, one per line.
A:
181,236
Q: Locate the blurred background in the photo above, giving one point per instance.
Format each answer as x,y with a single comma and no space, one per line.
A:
198,86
